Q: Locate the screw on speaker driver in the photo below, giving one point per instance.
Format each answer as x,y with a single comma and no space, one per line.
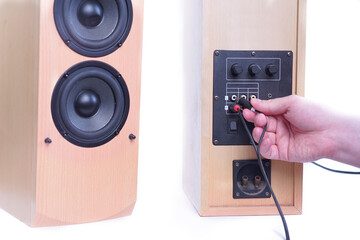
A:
93,28
90,104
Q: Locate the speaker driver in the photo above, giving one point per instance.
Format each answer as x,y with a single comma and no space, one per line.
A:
90,104
93,28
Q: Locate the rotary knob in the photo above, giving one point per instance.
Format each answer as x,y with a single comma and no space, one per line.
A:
272,69
254,69
236,69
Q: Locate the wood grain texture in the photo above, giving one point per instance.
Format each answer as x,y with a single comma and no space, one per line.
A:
19,37
73,184
243,25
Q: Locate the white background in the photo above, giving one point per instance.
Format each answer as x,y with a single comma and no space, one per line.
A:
331,201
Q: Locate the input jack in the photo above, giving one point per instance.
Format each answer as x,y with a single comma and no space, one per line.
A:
257,181
253,97
243,96
233,98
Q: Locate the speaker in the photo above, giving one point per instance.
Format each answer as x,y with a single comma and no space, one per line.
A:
239,49
90,104
93,28
69,118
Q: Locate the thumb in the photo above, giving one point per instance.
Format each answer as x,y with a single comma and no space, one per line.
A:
274,106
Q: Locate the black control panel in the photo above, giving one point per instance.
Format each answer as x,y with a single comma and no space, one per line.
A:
246,74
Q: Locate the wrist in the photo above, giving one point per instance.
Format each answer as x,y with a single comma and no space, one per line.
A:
344,136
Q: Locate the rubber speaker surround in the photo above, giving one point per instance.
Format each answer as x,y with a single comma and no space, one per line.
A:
97,80
93,28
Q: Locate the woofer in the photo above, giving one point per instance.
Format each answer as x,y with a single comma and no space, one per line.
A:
93,28
90,104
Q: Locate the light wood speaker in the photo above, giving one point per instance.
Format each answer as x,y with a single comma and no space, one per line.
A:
267,38
69,122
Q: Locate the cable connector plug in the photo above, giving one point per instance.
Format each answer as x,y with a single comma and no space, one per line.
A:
245,104
234,108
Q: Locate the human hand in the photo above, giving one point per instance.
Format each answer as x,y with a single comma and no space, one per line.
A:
298,130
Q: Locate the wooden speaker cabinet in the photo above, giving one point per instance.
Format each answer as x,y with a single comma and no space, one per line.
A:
218,35
70,76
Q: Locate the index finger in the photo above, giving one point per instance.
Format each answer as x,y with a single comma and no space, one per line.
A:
249,115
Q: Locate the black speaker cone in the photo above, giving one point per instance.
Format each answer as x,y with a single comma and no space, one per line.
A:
87,103
90,13
90,104
93,28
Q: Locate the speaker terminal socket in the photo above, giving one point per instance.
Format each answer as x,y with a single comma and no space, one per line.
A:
248,181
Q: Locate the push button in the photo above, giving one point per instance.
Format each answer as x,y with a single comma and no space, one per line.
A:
233,126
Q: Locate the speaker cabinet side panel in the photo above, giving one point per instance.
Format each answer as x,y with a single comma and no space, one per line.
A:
301,48
300,90
246,25
76,184
18,105
192,84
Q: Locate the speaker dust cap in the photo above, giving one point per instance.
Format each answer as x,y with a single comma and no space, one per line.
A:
93,28
90,104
